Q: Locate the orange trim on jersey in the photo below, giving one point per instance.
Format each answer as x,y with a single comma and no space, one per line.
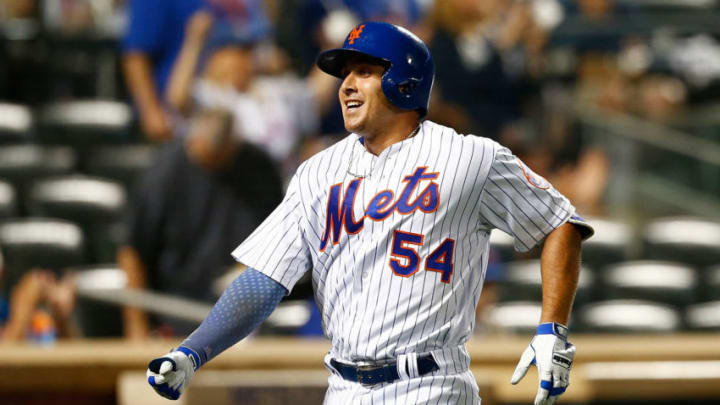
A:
385,214
392,259
328,221
409,192
340,214
337,219
444,261
423,196
358,222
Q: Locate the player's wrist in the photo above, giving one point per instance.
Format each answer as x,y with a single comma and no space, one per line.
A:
553,328
192,355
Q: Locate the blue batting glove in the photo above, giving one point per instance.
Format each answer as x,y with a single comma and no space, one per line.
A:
553,355
170,374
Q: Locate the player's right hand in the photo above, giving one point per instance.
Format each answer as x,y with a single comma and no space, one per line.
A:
170,374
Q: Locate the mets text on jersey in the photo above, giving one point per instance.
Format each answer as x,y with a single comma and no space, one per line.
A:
339,215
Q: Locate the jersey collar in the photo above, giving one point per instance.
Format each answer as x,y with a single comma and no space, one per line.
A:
363,163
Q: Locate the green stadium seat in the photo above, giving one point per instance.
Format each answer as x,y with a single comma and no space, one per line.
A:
287,318
97,319
695,241
122,163
22,163
8,200
629,316
503,244
515,316
27,243
84,123
609,245
96,204
660,281
710,288
704,316
16,123
522,282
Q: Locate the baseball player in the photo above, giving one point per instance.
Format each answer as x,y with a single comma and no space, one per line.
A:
394,221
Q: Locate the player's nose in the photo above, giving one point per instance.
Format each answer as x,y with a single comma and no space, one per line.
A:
348,84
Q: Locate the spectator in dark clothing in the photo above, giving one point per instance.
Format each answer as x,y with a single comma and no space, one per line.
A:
591,26
204,194
479,87
474,92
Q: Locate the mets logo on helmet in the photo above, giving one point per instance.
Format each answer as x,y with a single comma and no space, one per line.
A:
355,33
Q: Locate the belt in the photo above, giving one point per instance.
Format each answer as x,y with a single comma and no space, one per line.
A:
371,375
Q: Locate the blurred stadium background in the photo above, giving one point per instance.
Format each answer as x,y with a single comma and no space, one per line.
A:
616,102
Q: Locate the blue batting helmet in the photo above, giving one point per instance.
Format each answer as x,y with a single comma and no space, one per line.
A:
410,71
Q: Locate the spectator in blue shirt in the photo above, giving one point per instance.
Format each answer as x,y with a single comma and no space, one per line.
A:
155,35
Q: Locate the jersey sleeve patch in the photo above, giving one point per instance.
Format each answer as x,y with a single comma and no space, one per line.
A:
533,178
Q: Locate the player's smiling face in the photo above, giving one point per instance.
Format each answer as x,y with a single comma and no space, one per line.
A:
365,108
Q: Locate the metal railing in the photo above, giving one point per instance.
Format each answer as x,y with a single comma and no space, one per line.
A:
677,180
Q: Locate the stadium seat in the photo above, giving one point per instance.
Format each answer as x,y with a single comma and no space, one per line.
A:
39,242
21,164
16,123
618,316
95,204
503,244
516,316
666,282
523,282
98,319
710,288
123,163
287,318
704,316
609,245
83,123
694,241
8,200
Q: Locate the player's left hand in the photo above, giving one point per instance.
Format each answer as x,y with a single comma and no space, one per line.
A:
553,355
169,375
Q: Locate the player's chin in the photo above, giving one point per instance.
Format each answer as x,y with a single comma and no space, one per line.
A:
353,123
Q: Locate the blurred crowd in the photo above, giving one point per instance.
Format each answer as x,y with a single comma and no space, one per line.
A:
224,99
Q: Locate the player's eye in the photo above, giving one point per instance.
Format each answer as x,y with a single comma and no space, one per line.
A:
364,70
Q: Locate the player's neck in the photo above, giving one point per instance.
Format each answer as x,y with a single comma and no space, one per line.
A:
395,132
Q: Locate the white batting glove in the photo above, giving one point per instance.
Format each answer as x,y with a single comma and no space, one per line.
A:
170,374
553,355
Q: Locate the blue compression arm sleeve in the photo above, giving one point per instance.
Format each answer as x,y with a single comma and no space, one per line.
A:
248,301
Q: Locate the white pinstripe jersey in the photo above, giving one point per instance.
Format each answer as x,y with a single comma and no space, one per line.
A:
398,243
